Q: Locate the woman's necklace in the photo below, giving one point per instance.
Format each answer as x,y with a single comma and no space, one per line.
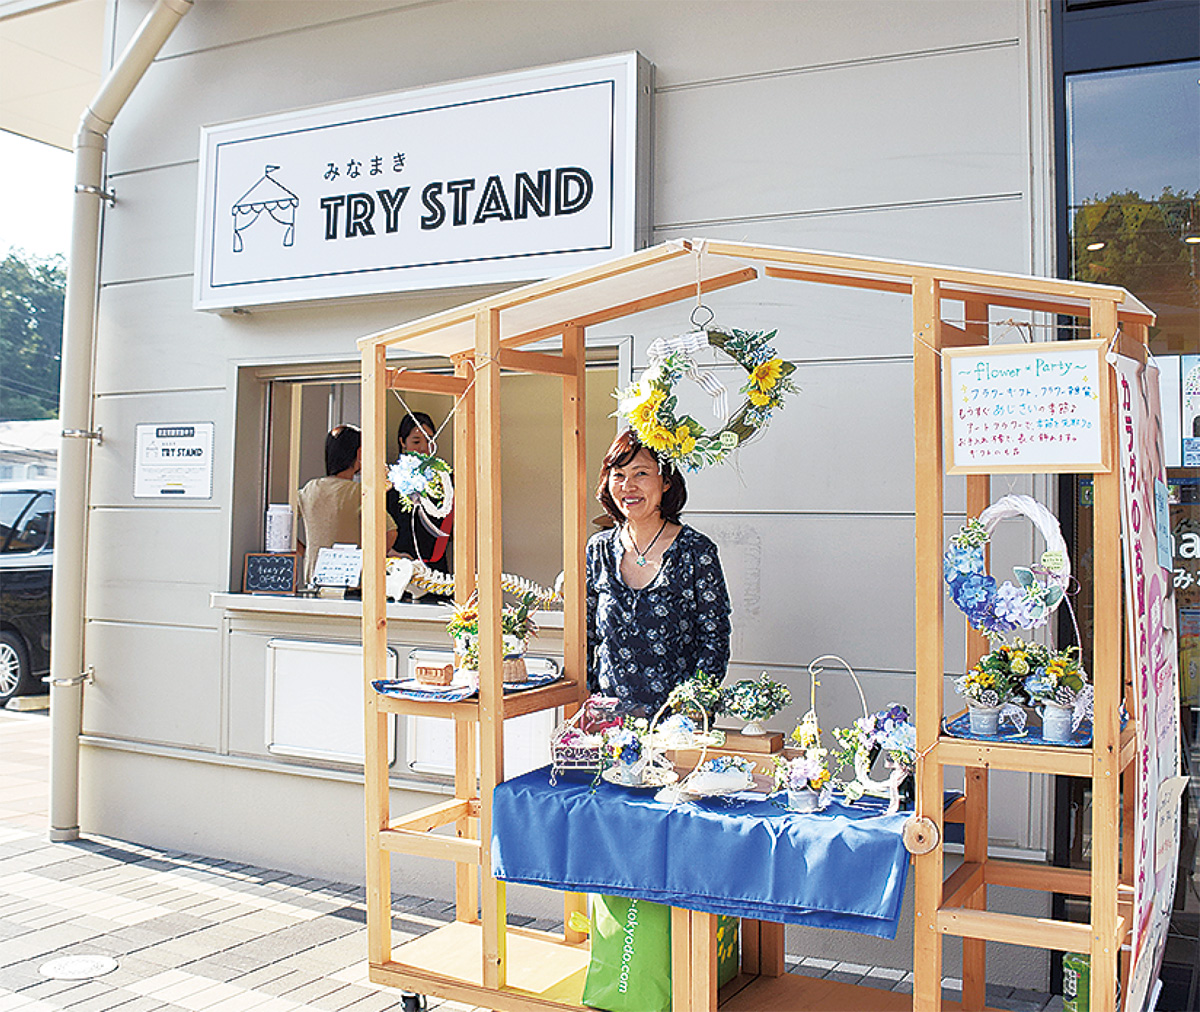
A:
641,555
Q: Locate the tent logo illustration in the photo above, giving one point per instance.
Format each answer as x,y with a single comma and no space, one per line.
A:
269,195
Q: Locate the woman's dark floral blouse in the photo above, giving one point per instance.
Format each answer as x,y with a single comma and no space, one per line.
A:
642,643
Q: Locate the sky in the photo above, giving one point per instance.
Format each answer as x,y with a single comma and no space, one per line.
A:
36,184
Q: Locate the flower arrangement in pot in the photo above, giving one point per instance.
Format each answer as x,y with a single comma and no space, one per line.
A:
805,779
629,756
889,732
755,701
517,627
1059,687
992,686
899,743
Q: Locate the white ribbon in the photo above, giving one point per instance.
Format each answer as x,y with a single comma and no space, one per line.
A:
1014,714
1083,707
689,345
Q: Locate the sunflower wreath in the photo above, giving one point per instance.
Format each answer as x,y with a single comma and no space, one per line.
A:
994,608
651,408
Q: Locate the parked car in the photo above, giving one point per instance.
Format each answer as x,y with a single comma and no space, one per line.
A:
26,564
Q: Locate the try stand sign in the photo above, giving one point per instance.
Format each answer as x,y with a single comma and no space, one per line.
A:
491,180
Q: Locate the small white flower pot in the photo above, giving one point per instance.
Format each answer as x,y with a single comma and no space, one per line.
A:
1056,722
753,729
805,800
984,719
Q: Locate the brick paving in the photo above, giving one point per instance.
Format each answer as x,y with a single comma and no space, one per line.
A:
192,933
188,933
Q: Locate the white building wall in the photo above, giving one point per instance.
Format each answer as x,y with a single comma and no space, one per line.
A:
912,129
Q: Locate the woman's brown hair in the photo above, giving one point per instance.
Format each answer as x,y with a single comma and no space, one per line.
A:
623,449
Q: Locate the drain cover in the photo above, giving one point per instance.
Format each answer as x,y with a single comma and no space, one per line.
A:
77,967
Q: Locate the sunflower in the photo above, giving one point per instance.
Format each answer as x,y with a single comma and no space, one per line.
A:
684,439
645,415
757,397
658,438
766,375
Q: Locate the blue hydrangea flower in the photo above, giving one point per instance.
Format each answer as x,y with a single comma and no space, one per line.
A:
1016,607
974,591
1038,686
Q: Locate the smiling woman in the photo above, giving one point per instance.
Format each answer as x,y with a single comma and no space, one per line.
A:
657,606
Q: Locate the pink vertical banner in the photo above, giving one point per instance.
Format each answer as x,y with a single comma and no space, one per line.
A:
1150,618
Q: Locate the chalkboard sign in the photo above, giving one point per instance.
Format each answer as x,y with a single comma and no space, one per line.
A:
1030,408
270,573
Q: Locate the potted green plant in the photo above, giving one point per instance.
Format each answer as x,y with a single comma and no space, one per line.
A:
755,701
517,627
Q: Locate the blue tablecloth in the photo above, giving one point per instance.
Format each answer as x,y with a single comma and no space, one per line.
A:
745,856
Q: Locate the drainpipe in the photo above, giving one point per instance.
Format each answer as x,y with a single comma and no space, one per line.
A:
67,673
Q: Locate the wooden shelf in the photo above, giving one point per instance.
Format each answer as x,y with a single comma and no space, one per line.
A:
1002,755
813,994
544,972
564,693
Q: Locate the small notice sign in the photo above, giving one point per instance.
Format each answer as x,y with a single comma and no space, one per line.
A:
270,573
174,460
1026,408
339,566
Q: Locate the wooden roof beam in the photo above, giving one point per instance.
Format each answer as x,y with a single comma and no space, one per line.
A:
425,382
535,362
654,301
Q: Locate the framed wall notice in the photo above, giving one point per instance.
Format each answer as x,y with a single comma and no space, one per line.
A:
174,459
1026,408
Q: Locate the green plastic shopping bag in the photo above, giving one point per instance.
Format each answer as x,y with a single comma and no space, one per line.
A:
630,969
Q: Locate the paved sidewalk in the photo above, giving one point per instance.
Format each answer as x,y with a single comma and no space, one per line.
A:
194,933
188,933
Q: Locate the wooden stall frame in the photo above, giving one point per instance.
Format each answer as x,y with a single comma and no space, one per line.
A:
479,958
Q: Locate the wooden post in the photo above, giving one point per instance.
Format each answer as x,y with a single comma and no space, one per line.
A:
930,668
704,961
975,778
1106,676
465,485
574,521
374,638
575,500
466,781
681,959
491,683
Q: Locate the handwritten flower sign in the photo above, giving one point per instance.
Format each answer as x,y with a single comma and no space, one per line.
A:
1026,408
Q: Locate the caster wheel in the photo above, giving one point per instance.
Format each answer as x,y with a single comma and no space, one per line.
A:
413,1002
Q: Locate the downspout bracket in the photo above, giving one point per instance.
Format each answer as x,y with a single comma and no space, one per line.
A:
88,675
96,434
108,196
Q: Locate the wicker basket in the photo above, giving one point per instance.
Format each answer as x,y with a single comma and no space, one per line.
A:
514,669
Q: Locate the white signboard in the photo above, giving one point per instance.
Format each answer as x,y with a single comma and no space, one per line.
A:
174,460
339,566
1027,408
491,180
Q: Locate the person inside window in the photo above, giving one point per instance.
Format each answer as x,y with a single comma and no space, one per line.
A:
657,605
331,507
418,534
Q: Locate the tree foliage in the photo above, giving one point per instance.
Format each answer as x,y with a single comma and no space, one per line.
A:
1143,248
32,290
